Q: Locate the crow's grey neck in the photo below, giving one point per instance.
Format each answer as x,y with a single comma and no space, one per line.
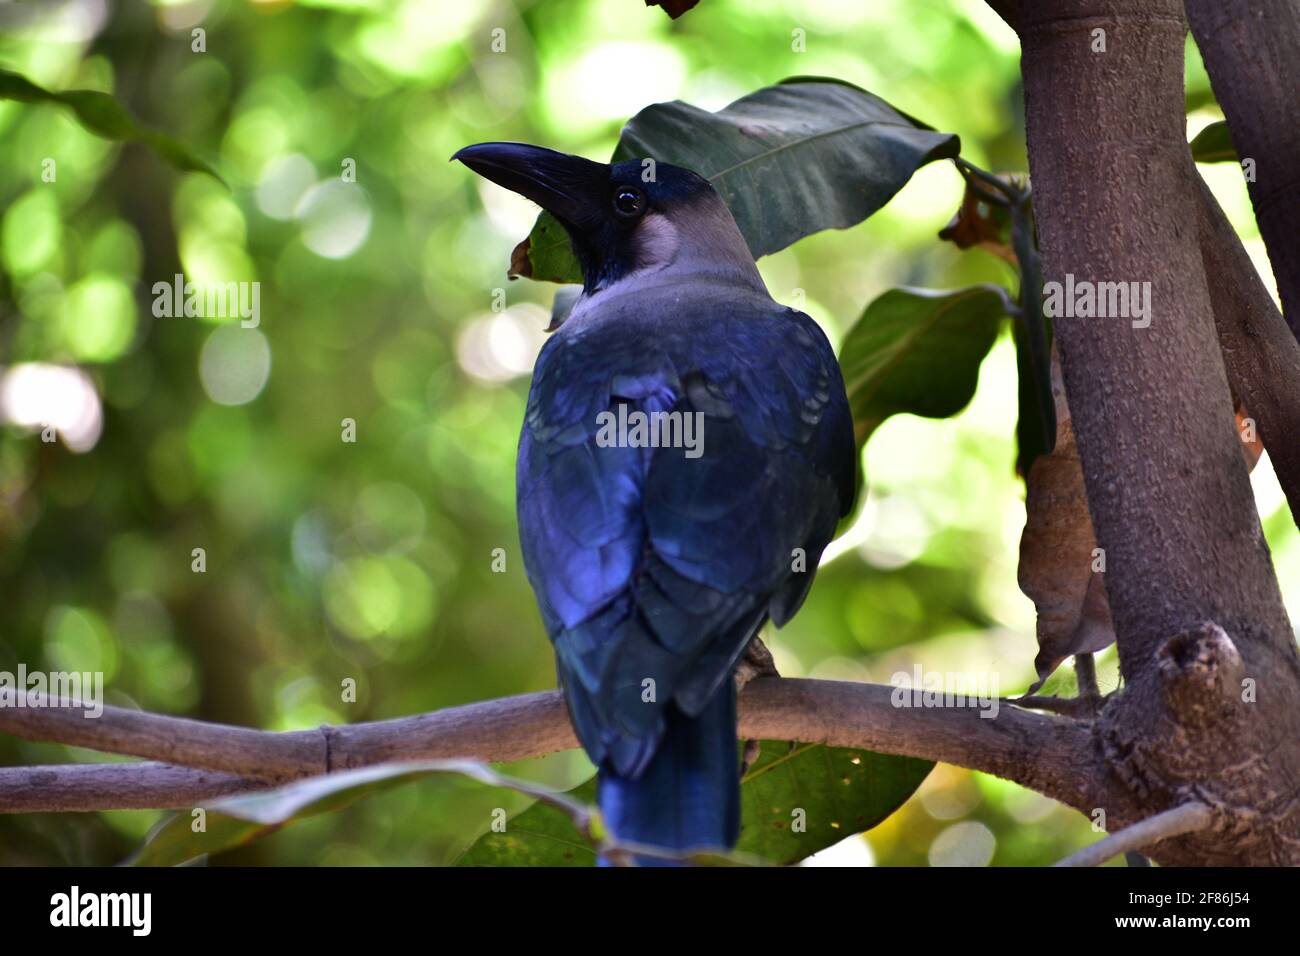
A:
697,242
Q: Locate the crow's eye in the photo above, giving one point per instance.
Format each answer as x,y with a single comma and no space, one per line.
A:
628,202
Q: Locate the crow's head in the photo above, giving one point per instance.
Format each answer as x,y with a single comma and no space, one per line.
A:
627,219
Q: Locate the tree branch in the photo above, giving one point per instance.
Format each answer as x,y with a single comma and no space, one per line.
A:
1049,754
1252,53
81,788
1261,355
511,728
1185,818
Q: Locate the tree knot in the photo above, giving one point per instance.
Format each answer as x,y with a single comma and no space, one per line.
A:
1200,674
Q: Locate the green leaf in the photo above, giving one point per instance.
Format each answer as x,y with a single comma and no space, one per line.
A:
99,113
839,791
1036,424
789,160
538,836
1214,145
104,116
234,821
1032,333
546,254
919,351
16,87
1198,96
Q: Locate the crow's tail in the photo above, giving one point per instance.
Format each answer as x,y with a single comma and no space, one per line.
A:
688,796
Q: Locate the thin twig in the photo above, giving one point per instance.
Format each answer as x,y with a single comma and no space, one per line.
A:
1085,668
1185,818
1076,707
1012,195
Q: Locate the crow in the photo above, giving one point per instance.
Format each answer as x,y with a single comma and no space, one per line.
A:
686,455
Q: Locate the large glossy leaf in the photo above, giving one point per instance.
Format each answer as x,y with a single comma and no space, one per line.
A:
789,160
1214,145
919,351
234,821
103,116
795,801
538,836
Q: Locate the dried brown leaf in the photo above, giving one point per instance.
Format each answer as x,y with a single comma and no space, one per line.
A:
520,265
1058,547
978,224
1056,552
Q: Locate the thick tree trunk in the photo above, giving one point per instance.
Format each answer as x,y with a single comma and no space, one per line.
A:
1252,53
1207,652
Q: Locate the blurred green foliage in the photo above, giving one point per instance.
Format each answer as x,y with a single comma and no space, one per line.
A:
371,560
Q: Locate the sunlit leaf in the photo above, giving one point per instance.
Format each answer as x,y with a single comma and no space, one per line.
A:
1214,145
919,351
104,116
789,160
538,836
234,821
545,253
795,801
1198,96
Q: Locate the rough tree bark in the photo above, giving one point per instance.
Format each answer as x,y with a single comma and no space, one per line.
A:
197,761
1251,50
1260,354
1197,610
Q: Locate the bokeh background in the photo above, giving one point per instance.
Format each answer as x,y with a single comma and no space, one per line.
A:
372,560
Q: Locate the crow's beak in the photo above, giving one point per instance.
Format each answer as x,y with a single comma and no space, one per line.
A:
571,188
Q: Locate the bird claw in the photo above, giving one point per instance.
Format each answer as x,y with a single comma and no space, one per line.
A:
756,661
